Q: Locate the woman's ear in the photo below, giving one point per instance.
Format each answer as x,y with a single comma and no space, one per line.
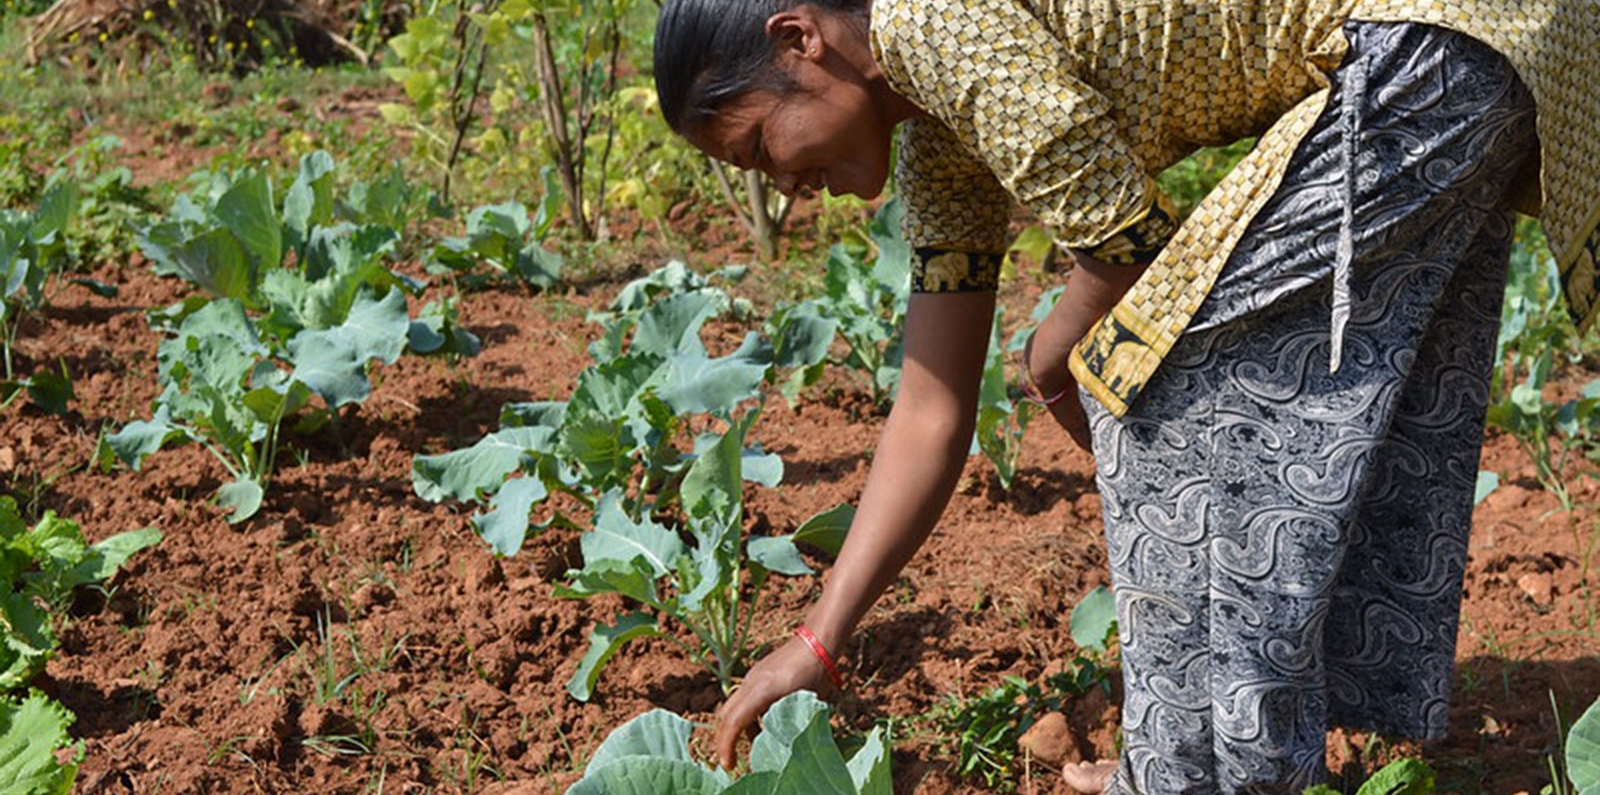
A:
796,35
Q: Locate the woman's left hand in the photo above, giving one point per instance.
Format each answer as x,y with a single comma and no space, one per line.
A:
1092,289
1045,358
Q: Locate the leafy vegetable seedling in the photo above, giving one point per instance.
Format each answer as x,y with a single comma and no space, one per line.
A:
864,298
503,237
626,425
1534,327
1003,417
634,445
302,304
699,585
33,743
33,249
39,569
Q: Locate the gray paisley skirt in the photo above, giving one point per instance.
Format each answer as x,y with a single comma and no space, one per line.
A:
1287,538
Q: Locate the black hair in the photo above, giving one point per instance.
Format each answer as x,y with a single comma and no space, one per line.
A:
710,52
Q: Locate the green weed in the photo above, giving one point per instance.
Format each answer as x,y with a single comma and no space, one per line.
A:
1403,776
469,766
1535,335
983,731
333,673
336,674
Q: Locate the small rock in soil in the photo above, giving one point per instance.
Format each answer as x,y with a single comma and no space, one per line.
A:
1052,741
1537,587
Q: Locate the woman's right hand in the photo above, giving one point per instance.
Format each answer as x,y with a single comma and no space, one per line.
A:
918,460
792,667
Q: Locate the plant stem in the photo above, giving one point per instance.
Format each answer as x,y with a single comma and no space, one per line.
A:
10,331
757,584
708,643
755,188
220,456
269,452
470,38
739,210
609,90
552,102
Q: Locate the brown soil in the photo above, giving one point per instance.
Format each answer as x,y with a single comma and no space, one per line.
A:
221,661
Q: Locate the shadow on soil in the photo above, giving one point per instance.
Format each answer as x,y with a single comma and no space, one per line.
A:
1036,490
892,649
456,420
1501,709
826,470
104,712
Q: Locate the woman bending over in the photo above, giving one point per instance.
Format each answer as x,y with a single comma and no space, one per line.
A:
1284,393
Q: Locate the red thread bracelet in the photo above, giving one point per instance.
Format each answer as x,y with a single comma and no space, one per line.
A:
822,654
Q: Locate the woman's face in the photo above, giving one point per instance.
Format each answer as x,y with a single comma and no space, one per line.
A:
804,139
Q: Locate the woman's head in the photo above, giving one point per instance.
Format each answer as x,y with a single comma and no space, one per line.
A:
709,52
783,86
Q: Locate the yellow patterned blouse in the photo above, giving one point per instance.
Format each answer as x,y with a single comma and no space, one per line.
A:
1072,106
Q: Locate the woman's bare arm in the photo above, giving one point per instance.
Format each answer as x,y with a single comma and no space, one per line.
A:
920,455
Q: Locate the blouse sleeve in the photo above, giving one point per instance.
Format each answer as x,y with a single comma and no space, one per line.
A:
1004,91
956,213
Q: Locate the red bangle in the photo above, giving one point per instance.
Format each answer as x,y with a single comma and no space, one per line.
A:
822,654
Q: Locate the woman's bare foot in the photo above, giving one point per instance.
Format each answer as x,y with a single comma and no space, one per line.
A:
1089,778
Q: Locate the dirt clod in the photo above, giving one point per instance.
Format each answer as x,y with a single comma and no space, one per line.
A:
1052,741
370,595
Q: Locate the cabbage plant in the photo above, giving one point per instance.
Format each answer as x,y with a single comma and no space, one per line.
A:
302,302
795,754
633,425
710,585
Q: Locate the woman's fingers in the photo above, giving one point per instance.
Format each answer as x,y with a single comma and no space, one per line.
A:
1069,413
790,668
735,717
